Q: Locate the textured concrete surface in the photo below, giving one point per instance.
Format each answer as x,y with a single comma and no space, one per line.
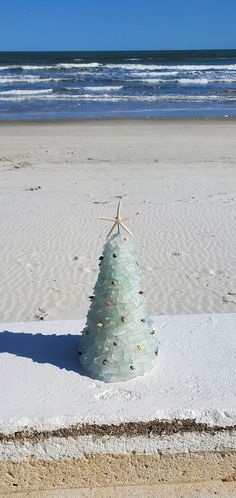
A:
213,489
72,448
110,470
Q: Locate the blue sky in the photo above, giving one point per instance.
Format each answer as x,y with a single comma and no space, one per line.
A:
117,25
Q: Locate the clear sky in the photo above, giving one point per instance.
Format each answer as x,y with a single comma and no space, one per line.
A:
117,25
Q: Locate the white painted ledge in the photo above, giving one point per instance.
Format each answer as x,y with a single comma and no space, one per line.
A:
194,377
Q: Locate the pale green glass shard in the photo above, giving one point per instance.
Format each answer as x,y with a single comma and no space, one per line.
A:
118,339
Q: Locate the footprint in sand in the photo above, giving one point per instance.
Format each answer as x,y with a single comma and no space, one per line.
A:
41,314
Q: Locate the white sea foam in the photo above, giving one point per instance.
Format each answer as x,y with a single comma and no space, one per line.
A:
39,67
153,98
102,88
83,64
188,81
18,79
26,92
26,79
133,66
200,67
204,81
120,98
155,73
3,68
130,67
226,80
153,80
35,68
180,67
27,67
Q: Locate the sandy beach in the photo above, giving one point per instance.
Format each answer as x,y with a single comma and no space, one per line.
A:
56,178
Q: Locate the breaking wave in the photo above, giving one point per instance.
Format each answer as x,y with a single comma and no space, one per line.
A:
26,92
127,78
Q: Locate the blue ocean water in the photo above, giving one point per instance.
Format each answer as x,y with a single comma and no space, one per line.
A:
74,85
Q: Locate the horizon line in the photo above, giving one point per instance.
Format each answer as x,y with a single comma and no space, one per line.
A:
127,50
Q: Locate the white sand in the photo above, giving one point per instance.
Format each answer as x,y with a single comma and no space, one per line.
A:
180,176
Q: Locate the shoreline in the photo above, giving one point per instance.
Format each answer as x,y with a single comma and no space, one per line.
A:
117,120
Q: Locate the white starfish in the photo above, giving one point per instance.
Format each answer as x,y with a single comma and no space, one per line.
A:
118,221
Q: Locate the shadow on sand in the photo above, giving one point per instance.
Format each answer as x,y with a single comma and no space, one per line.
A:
58,350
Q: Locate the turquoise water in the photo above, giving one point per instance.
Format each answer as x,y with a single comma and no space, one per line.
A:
74,85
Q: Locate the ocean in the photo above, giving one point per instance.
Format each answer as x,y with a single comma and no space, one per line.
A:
146,84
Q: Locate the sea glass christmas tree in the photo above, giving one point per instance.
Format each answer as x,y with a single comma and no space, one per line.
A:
118,341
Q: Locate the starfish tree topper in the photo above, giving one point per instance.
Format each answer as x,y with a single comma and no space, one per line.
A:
118,221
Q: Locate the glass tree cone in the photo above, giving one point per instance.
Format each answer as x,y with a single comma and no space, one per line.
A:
118,341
